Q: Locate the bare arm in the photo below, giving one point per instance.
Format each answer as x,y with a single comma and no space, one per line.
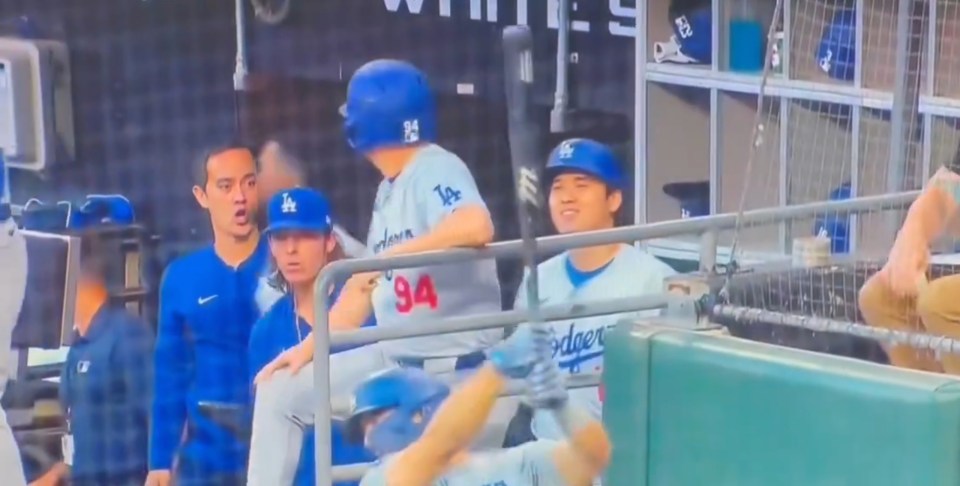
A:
931,212
453,428
57,473
586,453
467,227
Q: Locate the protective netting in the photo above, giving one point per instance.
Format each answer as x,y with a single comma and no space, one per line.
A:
860,122
154,83
152,86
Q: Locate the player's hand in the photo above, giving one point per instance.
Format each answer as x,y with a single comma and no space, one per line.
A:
293,359
46,480
547,386
160,477
906,267
364,282
517,355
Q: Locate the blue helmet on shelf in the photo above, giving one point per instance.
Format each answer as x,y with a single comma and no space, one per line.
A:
587,157
837,53
692,40
389,104
410,395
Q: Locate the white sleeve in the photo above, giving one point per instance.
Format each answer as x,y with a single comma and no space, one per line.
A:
374,477
444,187
539,465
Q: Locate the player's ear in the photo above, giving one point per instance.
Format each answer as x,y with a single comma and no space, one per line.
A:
201,196
614,200
330,244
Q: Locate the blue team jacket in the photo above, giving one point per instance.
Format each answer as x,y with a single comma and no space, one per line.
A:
278,330
104,391
207,311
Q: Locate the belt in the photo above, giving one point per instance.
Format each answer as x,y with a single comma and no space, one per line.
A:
467,361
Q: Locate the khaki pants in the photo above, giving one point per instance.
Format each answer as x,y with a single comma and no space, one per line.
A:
935,311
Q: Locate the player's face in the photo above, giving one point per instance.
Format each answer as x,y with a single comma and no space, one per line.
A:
300,255
579,202
231,192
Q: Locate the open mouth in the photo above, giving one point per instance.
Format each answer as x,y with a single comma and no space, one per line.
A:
241,216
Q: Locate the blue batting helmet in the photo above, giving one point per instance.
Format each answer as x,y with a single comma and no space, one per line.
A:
389,104
410,394
588,157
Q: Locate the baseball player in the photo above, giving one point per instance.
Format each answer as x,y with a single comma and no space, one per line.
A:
207,309
299,229
427,201
422,435
585,194
898,297
13,285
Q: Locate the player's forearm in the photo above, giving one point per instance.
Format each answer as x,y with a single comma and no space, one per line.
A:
586,436
57,473
467,227
351,309
463,415
928,215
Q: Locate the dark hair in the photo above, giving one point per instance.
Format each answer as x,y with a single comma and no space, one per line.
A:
93,255
201,164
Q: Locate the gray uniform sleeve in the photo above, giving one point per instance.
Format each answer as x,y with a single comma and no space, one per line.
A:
539,465
374,477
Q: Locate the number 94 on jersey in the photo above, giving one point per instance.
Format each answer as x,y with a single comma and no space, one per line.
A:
414,292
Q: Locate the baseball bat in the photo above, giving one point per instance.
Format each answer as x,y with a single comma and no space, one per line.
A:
523,138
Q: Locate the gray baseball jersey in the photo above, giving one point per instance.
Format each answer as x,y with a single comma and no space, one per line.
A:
530,464
578,343
434,185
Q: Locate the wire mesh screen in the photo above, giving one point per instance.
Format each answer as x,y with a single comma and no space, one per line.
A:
878,126
152,87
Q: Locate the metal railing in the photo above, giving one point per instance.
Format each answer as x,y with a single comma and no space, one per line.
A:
326,474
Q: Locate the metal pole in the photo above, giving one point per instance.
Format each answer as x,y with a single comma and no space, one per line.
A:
906,101
240,68
640,116
920,341
323,426
495,320
546,245
558,116
708,251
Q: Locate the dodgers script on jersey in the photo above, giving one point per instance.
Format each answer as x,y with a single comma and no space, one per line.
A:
531,464
578,343
435,184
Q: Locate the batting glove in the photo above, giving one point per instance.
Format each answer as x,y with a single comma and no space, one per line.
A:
546,386
516,357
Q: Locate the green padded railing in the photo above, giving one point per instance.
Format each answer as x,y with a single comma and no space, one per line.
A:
692,409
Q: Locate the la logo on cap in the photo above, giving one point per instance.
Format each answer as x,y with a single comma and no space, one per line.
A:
288,205
566,150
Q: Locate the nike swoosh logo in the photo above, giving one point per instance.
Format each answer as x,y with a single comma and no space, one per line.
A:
204,300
